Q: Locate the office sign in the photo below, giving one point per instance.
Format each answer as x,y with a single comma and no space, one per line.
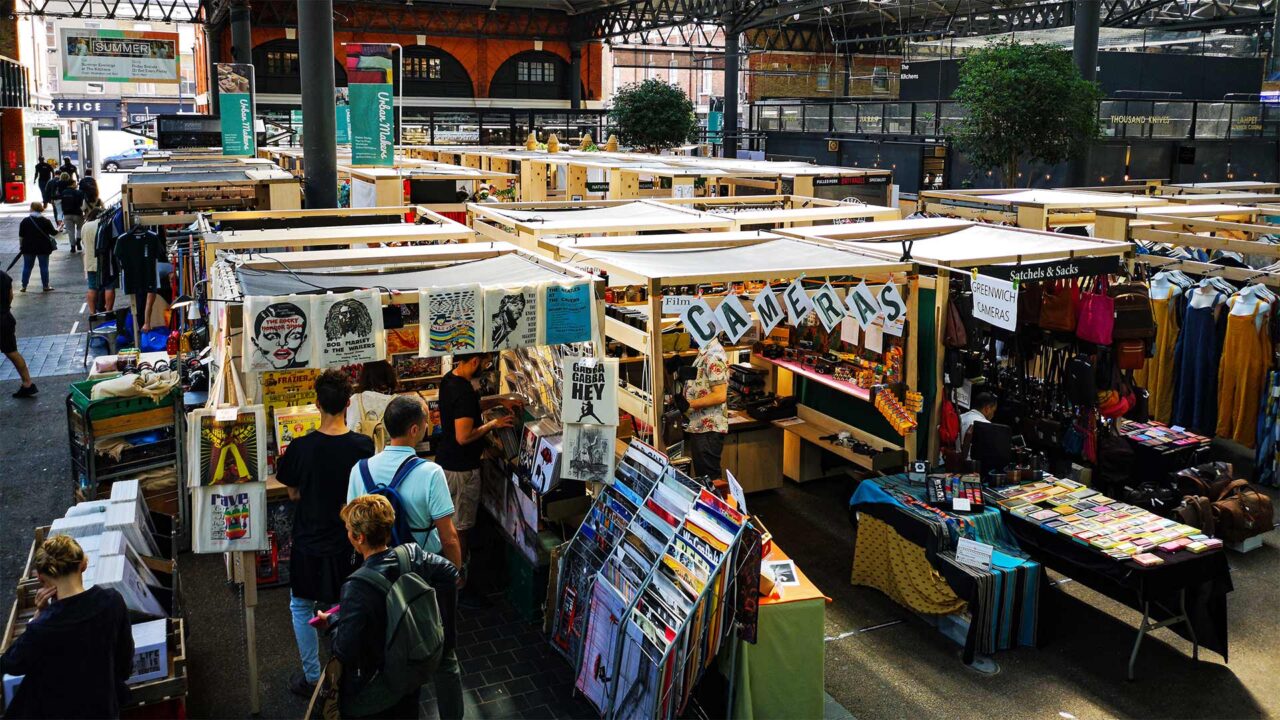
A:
373,123
235,108
96,55
84,108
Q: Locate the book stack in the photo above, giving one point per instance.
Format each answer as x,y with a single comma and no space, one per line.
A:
1118,530
1159,436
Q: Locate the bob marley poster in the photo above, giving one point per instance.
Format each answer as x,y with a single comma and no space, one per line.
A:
351,329
229,518
278,333
229,452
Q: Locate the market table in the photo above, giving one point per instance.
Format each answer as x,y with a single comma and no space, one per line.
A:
781,675
1187,593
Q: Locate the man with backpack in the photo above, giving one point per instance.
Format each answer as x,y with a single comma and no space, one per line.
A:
394,627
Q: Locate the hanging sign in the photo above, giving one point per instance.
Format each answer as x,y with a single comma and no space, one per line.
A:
733,317
675,304
863,305
589,394
278,333
828,306
342,116
1055,269
451,320
769,309
372,104
511,317
700,320
797,302
97,55
235,109
895,309
352,329
566,313
995,301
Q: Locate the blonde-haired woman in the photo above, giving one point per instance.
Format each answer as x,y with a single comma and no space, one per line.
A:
77,651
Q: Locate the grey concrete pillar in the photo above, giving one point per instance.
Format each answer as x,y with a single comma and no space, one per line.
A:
241,37
730,145
319,140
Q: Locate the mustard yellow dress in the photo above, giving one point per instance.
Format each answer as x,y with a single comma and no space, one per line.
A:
1246,357
1157,374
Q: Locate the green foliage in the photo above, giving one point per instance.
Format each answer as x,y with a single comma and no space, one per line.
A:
653,115
1025,102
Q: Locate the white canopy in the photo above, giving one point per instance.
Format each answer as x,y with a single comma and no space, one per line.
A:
1070,198
993,244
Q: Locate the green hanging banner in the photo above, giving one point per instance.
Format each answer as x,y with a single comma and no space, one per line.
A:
235,109
342,116
373,120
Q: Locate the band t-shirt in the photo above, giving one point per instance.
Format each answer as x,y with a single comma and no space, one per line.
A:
137,253
458,399
319,467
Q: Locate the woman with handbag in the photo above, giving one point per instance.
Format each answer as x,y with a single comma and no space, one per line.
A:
36,241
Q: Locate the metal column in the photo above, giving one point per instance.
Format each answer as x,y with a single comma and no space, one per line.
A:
1084,49
213,48
319,139
241,37
575,76
730,131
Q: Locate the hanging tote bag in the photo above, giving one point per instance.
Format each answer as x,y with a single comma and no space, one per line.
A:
1134,318
1058,306
1096,317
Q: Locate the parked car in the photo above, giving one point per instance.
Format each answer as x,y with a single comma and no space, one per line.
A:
126,160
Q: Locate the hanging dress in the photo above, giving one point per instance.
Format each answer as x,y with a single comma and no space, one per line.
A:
1246,358
1195,369
1157,374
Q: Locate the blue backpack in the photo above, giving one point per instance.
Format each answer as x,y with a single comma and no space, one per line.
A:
401,532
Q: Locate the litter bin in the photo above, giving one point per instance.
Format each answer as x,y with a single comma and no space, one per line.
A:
15,192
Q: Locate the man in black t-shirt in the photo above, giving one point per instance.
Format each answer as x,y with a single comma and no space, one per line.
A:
315,468
461,446
43,173
9,338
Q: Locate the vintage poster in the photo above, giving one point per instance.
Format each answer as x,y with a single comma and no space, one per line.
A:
590,393
108,55
292,423
229,518
511,317
450,320
588,452
351,328
231,451
567,313
402,340
545,474
278,333
282,383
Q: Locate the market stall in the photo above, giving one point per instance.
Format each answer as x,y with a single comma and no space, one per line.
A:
218,189
533,226
768,212
1028,209
1216,188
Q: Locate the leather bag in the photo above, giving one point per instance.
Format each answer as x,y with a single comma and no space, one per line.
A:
1058,306
1131,354
955,334
1242,512
1134,318
1096,316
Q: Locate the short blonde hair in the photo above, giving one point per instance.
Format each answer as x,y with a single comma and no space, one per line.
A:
371,516
59,556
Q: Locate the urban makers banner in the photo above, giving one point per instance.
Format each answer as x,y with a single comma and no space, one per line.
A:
235,107
342,116
119,56
373,123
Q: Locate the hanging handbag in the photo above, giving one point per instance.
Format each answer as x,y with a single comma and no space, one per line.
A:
1029,302
1141,410
1130,354
1058,306
1134,318
955,334
1081,387
1096,316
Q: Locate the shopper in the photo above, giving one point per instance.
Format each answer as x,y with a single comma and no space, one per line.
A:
77,652
53,191
89,186
983,410
94,282
315,468
423,491
707,397
69,169
9,339
360,625
462,444
37,238
73,213
43,174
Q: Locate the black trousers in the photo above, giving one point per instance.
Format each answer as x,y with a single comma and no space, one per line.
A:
704,449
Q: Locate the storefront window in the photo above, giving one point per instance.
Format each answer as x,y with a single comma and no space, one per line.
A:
1174,119
845,118
1212,120
871,118
792,117
1246,120
926,119
458,128
767,118
897,118
817,118
952,113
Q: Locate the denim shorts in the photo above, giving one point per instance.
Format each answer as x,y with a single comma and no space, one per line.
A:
95,285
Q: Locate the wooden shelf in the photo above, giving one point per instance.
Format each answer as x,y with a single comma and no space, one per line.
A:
627,335
847,388
818,425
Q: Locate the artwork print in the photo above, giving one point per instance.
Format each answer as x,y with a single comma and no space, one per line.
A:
231,452
590,392
230,518
278,333
450,320
588,453
511,317
352,329
567,311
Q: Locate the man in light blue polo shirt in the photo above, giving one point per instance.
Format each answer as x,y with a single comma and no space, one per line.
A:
425,492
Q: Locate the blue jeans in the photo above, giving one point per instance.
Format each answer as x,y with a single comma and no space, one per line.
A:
308,639
29,261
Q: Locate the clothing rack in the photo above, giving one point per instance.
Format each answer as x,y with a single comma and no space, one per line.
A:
1242,275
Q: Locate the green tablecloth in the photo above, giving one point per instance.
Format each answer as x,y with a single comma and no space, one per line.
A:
781,675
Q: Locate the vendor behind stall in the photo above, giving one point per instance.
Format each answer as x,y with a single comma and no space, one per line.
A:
707,397
984,409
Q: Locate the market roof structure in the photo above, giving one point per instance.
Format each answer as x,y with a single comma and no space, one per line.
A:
991,245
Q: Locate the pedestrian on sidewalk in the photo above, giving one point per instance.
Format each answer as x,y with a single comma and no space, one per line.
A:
315,468
69,169
43,173
94,281
9,338
36,240
55,187
89,186
73,213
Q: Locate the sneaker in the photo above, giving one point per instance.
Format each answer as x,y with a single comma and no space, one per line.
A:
24,288
48,289
298,685
26,392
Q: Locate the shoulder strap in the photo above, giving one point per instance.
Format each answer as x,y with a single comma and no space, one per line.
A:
402,559
402,472
369,485
374,578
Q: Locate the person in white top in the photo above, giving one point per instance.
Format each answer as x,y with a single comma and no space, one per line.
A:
984,408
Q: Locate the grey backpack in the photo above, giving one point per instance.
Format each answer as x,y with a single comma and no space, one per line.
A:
415,635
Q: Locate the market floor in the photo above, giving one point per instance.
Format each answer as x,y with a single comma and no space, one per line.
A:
908,669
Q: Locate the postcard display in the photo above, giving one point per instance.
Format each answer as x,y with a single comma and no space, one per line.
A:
228,479
645,590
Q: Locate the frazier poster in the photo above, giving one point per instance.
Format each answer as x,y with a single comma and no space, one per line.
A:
96,55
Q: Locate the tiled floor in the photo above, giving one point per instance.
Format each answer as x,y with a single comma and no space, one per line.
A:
48,355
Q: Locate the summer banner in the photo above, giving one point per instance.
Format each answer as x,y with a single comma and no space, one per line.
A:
235,107
95,55
373,123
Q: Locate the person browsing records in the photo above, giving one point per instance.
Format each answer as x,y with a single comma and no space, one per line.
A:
316,468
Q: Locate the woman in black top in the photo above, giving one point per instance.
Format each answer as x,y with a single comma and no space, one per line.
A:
36,241
77,652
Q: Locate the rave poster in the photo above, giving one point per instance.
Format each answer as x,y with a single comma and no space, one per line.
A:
590,393
278,333
229,452
351,330
373,123
235,109
511,317
451,320
567,313
229,518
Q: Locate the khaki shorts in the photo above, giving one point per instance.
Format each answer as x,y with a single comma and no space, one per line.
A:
464,488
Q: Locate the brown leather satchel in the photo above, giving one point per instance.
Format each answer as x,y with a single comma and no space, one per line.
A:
1242,512
1058,306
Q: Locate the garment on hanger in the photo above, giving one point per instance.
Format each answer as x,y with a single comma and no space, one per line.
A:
1266,461
137,252
1246,358
1195,367
1157,374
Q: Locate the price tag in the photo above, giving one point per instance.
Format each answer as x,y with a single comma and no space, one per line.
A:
735,489
960,504
226,414
974,553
